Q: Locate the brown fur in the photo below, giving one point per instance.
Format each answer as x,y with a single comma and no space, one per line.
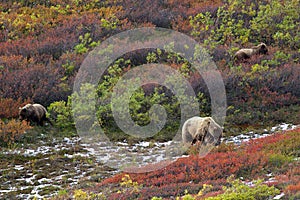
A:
247,53
34,113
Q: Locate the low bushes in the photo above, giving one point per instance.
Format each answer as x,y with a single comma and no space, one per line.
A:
252,160
11,131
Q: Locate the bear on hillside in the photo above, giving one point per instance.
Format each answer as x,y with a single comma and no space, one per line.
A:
34,113
247,53
202,129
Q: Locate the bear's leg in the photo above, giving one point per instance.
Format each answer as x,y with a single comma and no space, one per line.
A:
42,120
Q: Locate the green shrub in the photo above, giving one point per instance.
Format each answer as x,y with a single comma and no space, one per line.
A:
279,160
61,113
141,100
278,21
279,59
240,191
82,195
127,184
156,198
229,27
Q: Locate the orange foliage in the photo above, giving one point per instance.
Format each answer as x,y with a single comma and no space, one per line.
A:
12,130
294,188
9,107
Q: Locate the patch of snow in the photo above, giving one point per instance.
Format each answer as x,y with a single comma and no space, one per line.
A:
283,127
44,180
10,189
143,144
122,143
249,183
19,167
30,179
279,196
239,139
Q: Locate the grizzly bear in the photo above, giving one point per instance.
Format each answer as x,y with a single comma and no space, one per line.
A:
34,113
202,129
247,53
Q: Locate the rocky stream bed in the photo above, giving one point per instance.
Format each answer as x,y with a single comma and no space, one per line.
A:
45,168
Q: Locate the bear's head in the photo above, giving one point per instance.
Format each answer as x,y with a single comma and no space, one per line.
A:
262,48
26,111
213,132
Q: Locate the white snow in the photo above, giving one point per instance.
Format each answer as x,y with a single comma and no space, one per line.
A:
279,196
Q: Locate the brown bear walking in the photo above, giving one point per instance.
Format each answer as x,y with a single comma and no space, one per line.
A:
247,53
34,113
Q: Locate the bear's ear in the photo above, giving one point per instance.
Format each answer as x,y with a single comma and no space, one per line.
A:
207,121
263,46
23,108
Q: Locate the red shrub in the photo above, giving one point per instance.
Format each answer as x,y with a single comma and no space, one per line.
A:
13,62
9,108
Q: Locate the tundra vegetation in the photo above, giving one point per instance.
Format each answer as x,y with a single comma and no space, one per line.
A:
43,44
